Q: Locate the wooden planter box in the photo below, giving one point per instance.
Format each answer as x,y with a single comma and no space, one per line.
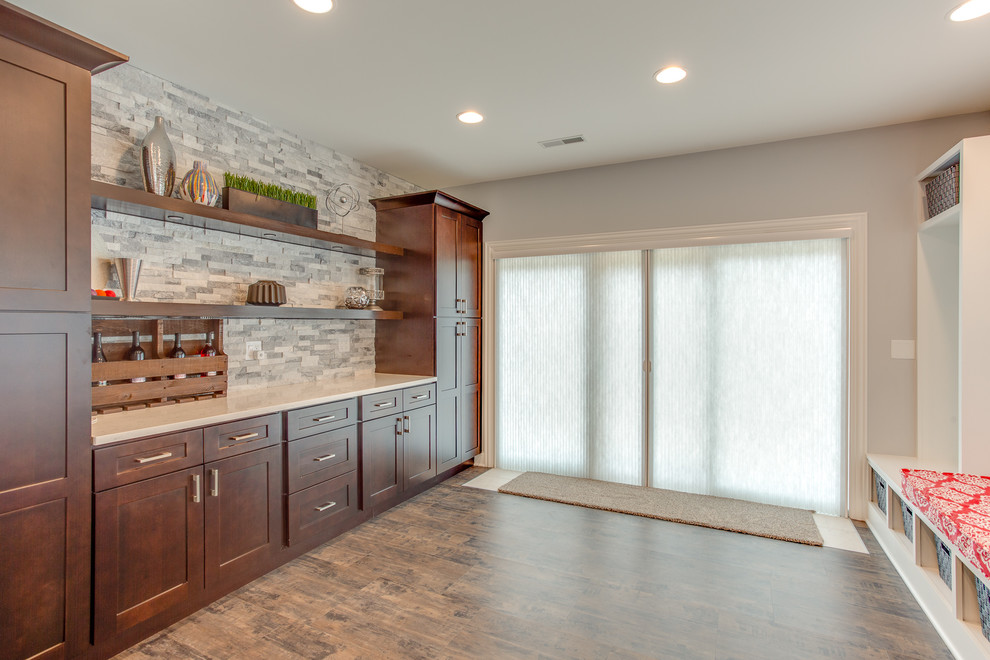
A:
159,387
266,207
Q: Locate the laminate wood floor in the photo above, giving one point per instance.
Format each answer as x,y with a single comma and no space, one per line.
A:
468,573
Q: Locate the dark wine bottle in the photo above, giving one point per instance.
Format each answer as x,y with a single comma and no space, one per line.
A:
177,352
208,351
136,353
98,354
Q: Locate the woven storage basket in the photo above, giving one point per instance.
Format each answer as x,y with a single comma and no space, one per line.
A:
908,517
944,556
881,490
942,192
983,595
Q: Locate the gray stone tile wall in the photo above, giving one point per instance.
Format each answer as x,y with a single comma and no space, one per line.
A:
182,264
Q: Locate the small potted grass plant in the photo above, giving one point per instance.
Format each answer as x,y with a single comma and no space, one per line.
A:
247,195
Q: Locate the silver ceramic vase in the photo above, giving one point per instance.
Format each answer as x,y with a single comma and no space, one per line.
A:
158,160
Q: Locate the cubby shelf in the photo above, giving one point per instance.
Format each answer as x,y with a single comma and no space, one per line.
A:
953,610
138,309
108,197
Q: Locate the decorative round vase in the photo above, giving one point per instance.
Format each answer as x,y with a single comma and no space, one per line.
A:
158,160
199,186
357,298
266,292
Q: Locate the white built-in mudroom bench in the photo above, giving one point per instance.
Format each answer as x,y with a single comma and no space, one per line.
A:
953,375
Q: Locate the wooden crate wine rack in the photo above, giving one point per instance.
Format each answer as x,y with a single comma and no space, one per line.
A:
159,387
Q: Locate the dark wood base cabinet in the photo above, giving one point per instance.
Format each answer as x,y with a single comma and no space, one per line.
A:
168,544
149,550
182,519
44,491
321,473
458,390
398,446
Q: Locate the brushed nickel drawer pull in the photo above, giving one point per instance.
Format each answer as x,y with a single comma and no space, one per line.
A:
325,458
243,437
405,423
195,488
324,419
420,396
214,482
328,505
156,457
385,404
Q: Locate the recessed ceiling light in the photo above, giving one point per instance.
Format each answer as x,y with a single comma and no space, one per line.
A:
315,6
470,117
967,11
670,74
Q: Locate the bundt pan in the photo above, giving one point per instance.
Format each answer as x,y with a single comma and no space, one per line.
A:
266,292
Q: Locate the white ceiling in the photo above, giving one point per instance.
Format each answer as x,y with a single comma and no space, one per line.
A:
382,80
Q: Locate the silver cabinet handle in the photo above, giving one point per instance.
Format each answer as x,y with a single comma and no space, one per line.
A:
385,404
243,437
328,505
324,419
156,457
420,396
405,423
214,482
195,478
398,426
325,458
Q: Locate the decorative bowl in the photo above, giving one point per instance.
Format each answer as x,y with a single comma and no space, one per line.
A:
357,298
266,292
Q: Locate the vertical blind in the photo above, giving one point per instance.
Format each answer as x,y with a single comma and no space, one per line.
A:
746,394
569,379
747,390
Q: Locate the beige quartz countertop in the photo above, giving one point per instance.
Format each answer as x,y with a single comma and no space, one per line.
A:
117,427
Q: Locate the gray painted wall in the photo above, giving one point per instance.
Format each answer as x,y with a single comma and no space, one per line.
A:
870,171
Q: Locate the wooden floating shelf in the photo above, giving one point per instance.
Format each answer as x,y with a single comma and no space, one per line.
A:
138,309
108,197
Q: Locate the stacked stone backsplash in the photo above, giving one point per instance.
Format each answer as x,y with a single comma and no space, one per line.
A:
182,264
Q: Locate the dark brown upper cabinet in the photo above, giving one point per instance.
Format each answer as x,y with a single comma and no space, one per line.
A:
44,170
440,275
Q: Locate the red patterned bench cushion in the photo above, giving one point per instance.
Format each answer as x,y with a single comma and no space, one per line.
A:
959,505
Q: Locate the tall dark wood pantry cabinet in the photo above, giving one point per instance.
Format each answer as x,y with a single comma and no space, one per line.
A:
438,285
45,467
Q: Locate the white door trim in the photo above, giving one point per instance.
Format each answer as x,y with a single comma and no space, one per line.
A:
852,226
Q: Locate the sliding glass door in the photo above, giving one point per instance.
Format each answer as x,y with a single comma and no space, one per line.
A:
715,369
747,389
569,381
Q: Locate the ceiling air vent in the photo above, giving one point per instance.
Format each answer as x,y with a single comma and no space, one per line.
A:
559,142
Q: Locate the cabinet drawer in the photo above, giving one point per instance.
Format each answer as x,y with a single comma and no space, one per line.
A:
416,397
151,457
374,406
320,510
316,419
320,457
242,436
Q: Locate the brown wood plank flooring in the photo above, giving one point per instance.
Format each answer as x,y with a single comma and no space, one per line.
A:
466,573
